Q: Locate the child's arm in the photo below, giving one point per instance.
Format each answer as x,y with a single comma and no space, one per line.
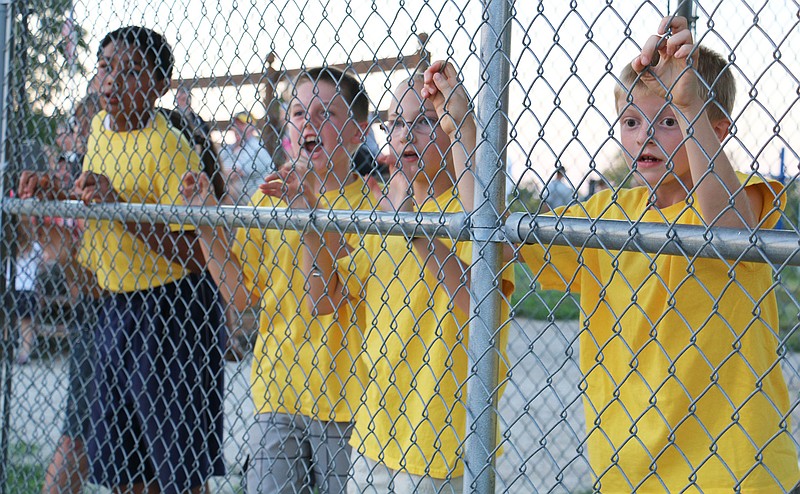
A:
40,185
93,187
452,104
224,268
715,193
432,253
326,291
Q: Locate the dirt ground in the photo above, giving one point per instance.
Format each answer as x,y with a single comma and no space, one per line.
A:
540,414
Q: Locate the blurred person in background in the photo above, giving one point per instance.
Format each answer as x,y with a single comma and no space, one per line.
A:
246,161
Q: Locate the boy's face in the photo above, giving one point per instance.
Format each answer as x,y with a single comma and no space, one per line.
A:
415,138
653,141
321,128
128,84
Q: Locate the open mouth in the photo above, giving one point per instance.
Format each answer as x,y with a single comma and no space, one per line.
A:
410,154
311,143
648,160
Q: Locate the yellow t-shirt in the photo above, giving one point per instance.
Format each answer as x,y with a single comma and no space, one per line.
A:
682,390
413,416
302,363
144,166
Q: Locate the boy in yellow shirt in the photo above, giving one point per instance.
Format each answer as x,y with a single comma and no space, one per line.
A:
305,378
409,430
683,387
156,412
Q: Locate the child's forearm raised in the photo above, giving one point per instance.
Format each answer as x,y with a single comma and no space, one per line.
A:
665,70
326,292
453,106
225,268
214,245
718,191
463,149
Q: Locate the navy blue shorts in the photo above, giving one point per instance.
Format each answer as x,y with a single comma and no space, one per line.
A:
158,377
27,302
77,423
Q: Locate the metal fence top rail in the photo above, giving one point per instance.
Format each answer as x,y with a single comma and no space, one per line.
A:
778,247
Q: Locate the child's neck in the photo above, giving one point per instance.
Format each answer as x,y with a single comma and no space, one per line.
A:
426,189
340,175
669,193
129,122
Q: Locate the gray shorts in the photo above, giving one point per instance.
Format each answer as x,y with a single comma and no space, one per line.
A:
297,454
372,477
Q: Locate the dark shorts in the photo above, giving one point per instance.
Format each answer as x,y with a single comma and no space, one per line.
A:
81,366
158,379
27,303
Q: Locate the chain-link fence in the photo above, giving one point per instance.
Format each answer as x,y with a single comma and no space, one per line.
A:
331,311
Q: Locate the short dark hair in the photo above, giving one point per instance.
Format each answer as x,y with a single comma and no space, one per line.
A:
349,87
154,46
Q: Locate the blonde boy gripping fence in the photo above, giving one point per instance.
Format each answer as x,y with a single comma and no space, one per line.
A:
305,377
683,388
411,424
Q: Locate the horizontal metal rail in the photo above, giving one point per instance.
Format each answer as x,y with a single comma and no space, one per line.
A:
345,221
774,246
780,247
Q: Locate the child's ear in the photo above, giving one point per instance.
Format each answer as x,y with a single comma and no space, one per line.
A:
361,135
721,128
161,86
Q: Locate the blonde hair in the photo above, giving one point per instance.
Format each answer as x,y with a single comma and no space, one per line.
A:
717,83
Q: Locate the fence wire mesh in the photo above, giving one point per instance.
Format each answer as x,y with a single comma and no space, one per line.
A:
259,254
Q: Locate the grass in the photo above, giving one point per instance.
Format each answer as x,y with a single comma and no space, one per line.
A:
25,476
533,303
25,479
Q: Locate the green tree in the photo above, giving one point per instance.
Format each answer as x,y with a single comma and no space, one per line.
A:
618,174
522,199
46,47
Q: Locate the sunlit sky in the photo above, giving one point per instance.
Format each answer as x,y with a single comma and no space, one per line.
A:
563,60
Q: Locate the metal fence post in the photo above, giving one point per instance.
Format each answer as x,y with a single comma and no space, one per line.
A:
481,442
685,8
5,318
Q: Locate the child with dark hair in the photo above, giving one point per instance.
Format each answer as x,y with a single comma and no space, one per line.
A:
306,382
157,415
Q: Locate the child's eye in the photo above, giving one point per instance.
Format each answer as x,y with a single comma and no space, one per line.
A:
669,122
629,122
132,71
424,123
389,126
